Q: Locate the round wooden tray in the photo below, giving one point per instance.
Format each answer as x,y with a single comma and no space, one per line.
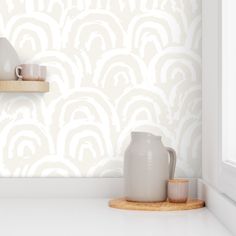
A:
121,203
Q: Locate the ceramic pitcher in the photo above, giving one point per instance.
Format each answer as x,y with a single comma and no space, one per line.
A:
8,60
147,167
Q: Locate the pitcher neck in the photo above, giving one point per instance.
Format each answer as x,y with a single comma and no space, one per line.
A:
144,136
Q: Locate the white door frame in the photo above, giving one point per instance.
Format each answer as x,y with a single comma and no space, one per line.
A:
214,171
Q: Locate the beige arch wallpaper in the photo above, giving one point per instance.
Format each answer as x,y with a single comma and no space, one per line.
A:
114,66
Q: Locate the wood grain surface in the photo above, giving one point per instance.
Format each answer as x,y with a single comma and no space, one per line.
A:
121,203
24,86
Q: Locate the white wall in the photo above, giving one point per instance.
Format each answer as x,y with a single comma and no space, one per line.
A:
113,67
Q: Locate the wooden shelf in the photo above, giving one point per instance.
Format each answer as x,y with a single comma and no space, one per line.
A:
19,86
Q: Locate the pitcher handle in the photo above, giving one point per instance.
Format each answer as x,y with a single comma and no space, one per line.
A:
172,155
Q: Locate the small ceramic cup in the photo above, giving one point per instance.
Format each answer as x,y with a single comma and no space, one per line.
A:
27,72
178,190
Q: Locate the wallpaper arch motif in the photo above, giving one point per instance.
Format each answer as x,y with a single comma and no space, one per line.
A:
114,67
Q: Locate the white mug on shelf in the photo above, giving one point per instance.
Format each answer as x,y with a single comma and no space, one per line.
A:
27,71
31,72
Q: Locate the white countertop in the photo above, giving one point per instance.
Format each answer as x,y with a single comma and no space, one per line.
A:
92,217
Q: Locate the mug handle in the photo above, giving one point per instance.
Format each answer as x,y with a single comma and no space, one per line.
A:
172,155
18,68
